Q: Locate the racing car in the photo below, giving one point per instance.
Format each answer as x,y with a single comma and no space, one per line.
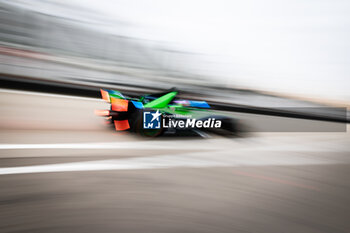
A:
152,115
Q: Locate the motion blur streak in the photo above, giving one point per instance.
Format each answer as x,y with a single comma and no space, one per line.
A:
102,112
62,169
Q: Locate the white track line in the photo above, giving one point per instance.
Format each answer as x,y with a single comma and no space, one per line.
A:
201,144
2,90
191,160
72,146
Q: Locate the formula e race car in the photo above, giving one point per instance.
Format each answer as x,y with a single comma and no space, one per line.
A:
163,113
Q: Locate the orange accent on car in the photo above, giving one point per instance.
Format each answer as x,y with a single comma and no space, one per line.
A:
119,105
105,95
121,125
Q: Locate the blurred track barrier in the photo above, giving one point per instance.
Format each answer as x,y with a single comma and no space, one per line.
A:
323,113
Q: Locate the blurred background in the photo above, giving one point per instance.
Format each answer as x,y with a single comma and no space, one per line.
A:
297,49
281,68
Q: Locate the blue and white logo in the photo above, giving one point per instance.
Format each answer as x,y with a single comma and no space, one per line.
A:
151,120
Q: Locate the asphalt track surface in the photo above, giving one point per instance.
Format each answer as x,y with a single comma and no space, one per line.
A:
63,170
